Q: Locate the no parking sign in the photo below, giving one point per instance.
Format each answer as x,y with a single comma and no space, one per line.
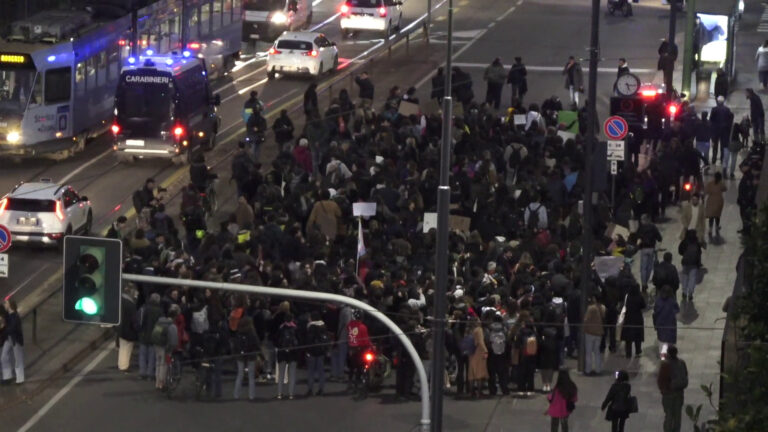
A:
5,243
615,128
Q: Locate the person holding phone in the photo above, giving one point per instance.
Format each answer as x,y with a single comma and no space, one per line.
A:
619,402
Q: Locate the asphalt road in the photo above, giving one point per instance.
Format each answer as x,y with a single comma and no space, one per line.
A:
109,185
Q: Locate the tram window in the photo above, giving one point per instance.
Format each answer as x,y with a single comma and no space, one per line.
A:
236,10
194,24
58,85
113,59
216,14
226,11
37,91
90,67
80,78
101,61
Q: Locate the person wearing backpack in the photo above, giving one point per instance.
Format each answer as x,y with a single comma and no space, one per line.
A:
527,343
245,345
535,216
619,402
594,321
287,355
562,401
478,364
319,342
498,356
690,250
148,316
672,382
165,339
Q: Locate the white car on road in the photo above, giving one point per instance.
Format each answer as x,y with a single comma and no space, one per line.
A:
379,15
44,212
302,53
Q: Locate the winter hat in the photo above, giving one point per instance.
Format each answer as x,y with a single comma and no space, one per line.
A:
303,142
720,99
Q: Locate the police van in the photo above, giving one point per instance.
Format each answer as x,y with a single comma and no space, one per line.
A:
164,108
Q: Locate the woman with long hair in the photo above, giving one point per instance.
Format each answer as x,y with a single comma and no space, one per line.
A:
562,401
618,401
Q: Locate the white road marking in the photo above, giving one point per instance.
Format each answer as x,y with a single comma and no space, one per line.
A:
21,285
70,385
80,169
553,68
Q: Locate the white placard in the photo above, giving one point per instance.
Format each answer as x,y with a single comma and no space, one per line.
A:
615,150
363,209
519,119
565,135
430,221
3,265
614,167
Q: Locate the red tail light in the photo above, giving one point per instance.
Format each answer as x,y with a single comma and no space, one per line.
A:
369,357
273,51
3,205
312,53
193,45
383,11
115,129
648,93
672,109
59,212
178,131
344,9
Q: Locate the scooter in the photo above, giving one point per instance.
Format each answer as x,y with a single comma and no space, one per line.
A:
623,6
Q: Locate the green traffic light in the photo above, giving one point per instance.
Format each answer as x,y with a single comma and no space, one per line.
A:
87,306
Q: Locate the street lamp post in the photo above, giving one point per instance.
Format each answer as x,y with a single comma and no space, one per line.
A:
441,257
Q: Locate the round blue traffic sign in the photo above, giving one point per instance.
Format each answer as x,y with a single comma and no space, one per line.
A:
5,238
615,128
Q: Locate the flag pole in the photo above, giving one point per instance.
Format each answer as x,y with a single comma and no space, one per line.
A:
359,239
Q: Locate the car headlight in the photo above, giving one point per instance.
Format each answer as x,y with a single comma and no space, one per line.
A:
279,18
13,137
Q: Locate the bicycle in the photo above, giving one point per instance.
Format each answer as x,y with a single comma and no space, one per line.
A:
173,374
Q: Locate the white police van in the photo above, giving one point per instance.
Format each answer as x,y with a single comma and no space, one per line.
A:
164,108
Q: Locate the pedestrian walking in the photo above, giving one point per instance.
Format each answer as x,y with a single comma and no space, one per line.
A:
365,85
665,273
721,84
478,365
594,321
721,120
715,200
438,86
518,81
311,106
665,311
127,332
150,312
690,250
319,343
633,329
12,355
757,115
619,402
562,401
494,75
761,57
704,138
623,67
672,381
692,217
648,235
245,346
574,79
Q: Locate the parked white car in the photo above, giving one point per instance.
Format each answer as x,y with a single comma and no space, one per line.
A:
44,212
302,53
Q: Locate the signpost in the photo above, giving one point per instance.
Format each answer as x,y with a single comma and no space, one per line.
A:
5,244
615,152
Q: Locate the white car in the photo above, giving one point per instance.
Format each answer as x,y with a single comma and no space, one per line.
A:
44,212
306,53
378,15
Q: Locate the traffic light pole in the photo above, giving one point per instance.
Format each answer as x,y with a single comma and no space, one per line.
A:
690,24
586,239
310,295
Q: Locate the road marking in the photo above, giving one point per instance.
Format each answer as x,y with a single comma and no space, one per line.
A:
79,169
509,11
552,68
21,285
63,392
315,28
762,27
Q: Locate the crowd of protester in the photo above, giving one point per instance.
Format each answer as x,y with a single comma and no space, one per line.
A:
515,280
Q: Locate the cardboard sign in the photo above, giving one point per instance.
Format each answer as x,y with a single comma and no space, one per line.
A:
363,209
407,109
455,223
430,221
519,119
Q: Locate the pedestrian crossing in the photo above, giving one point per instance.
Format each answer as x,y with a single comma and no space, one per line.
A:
762,27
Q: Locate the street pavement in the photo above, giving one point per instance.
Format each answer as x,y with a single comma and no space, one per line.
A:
109,400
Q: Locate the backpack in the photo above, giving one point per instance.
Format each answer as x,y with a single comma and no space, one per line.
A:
531,346
467,345
691,255
533,218
679,378
514,158
159,336
200,320
498,341
318,337
243,342
287,337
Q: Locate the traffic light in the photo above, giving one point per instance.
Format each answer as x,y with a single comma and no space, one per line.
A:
92,277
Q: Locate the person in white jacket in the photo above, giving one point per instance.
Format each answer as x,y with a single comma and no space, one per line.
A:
761,57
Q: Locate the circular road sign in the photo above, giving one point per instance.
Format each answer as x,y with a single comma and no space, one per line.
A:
5,238
615,128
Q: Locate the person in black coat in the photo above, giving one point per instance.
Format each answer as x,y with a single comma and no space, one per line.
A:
757,115
665,273
127,332
311,106
721,84
632,331
283,126
721,119
617,402
438,86
12,358
516,78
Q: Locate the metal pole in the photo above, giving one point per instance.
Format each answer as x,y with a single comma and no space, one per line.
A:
134,33
671,37
429,20
184,25
690,23
310,295
443,202
587,242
